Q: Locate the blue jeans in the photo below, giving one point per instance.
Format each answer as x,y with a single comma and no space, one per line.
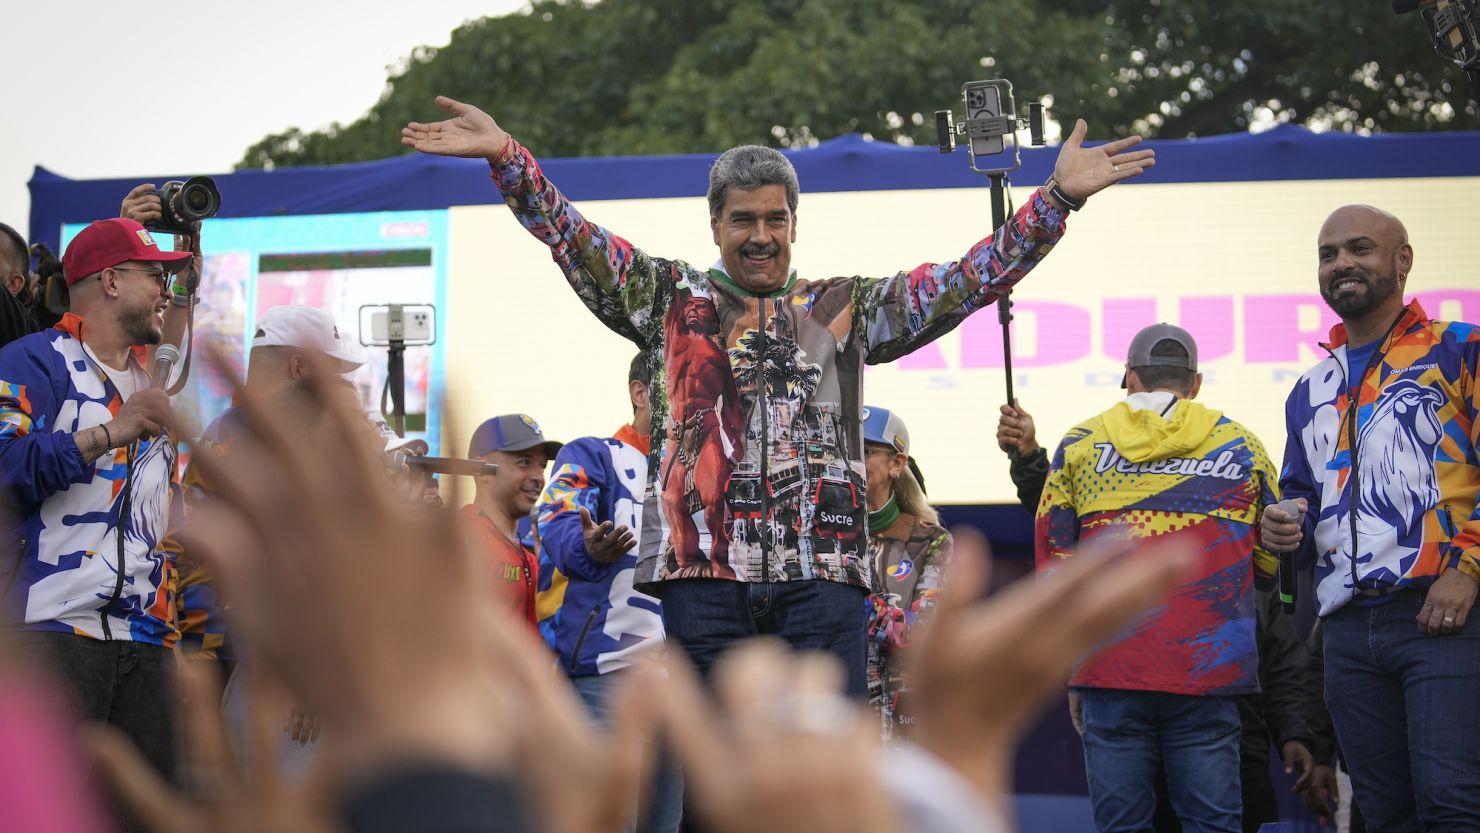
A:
706,616
1404,708
1196,738
665,805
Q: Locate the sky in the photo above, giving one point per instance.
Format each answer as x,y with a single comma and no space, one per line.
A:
105,89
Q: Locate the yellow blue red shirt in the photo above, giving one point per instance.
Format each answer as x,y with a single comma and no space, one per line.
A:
1136,472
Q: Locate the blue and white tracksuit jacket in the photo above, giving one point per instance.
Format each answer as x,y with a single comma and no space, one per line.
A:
589,613
1391,479
59,566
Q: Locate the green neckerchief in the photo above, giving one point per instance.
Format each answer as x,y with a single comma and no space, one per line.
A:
882,519
719,275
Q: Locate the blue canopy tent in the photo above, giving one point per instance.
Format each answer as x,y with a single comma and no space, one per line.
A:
849,163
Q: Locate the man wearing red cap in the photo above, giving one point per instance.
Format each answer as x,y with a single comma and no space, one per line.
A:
86,470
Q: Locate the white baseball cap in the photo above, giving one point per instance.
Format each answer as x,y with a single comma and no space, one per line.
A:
411,445
305,328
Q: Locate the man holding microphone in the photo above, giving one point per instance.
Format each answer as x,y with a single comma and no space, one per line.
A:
1381,462
84,466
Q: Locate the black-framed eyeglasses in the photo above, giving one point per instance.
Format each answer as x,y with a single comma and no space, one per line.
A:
161,278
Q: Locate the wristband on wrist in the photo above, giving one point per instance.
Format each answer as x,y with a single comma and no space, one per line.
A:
109,437
1057,192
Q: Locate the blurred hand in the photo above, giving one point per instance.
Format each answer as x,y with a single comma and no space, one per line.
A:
557,743
1015,430
481,696
1083,172
1076,711
142,205
1321,794
301,726
225,799
1279,531
781,750
1296,756
470,133
983,671
606,543
306,520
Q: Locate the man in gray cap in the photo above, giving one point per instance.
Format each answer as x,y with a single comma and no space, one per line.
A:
514,443
1156,465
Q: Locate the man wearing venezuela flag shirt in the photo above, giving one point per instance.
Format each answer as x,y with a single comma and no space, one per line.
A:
1165,692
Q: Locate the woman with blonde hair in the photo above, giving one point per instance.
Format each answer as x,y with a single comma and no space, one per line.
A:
908,549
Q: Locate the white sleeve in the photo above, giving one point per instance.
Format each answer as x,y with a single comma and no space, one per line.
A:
932,797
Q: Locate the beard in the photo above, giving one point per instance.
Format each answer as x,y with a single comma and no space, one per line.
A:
1358,304
138,324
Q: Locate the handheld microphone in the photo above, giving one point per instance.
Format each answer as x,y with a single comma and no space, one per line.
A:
451,465
166,356
1290,507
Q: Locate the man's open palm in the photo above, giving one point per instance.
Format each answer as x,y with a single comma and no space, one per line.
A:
470,133
1083,172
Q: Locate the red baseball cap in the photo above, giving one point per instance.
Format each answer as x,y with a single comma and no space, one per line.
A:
108,243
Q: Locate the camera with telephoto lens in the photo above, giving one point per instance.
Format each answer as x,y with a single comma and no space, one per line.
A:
184,204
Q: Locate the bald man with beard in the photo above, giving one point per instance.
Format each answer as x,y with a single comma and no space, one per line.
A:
1382,460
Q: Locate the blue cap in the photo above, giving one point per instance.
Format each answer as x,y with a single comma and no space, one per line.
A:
885,428
510,432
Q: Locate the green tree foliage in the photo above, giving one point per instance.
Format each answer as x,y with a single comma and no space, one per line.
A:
573,78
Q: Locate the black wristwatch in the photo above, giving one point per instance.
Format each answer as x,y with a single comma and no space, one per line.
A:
1057,192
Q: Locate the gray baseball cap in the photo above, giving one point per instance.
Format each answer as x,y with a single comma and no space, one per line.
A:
1146,340
510,432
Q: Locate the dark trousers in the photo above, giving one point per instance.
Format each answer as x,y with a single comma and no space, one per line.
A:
706,616
1261,805
1403,706
126,684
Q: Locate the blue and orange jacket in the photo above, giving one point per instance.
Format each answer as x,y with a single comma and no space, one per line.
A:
60,571
1131,473
1396,485
589,613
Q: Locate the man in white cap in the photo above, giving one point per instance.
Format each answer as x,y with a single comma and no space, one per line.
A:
288,343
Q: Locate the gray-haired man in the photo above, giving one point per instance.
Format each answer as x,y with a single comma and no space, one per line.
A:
754,518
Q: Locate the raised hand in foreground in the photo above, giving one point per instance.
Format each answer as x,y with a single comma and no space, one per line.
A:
983,671
391,638
223,798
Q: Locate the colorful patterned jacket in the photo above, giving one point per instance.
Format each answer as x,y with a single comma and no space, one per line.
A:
759,476
1129,472
61,569
909,561
590,614
199,609
1397,485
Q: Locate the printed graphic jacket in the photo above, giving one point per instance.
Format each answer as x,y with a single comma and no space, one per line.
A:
61,569
757,458
1130,473
909,559
590,614
1397,484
